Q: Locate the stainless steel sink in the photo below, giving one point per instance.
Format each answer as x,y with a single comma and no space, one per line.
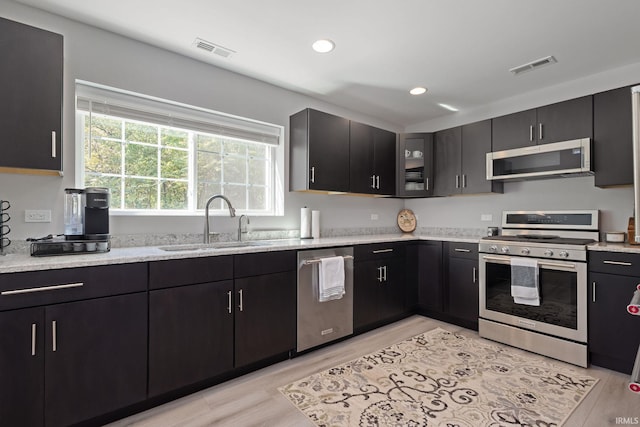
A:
211,246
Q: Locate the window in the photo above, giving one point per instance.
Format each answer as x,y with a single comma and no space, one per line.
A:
157,156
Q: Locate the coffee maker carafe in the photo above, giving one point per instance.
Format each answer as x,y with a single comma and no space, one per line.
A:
86,213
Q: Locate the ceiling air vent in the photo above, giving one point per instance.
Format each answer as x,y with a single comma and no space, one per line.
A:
214,48
533,65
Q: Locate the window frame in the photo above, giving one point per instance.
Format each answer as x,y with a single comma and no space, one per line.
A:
273,161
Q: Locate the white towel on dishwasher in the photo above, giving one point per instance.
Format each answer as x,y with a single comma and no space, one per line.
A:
524,281
330,278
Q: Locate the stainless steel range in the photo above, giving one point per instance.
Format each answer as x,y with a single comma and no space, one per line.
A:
546,252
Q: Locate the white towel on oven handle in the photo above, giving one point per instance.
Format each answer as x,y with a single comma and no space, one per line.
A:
524,281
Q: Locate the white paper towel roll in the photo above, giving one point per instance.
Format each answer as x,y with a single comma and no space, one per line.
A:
315,224
305,223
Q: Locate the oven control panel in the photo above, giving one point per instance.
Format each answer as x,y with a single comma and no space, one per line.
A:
533,250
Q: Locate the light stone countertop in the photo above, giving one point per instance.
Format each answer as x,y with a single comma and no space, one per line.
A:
19,262
614,247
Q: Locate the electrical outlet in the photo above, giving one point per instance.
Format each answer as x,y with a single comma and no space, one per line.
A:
486,217
37,215
374,217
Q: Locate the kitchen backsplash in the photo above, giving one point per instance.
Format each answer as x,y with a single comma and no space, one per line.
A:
137,240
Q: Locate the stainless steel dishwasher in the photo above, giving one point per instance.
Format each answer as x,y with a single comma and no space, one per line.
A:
322,322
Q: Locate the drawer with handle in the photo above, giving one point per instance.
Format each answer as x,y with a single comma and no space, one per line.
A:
34,288
463,250
378,251
622,263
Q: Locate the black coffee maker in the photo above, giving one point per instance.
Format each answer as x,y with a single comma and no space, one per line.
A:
86,213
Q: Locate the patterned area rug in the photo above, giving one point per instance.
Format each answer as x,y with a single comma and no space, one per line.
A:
441,378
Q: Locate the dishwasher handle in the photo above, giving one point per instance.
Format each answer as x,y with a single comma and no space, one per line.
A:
317,260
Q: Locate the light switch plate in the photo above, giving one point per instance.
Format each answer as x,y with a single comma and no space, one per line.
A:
486,217
374,217
31,215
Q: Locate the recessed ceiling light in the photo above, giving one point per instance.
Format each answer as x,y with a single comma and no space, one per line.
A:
323,45
418,90
448,107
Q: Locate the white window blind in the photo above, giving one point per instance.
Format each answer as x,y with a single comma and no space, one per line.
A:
93,98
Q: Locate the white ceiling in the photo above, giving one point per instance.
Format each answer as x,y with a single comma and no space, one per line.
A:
461,50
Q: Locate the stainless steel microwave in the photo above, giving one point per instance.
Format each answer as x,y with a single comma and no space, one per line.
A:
567,158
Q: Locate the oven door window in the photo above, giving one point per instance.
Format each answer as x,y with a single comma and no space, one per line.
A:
558,296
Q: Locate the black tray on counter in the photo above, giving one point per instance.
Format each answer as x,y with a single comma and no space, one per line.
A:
69,247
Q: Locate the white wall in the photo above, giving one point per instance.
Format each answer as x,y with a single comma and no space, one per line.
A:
615,204
619,77
102,57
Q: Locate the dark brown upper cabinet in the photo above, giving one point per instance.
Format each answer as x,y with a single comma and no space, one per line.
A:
372,154
319,152
332,154
460,160
612,137
562,121
31,76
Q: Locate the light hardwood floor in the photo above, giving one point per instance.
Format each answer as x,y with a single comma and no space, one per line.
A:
254,399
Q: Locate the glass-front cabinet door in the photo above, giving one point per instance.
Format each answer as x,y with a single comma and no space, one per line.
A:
415,165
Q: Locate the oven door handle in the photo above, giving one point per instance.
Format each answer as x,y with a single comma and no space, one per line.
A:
558,265
506,260
500,259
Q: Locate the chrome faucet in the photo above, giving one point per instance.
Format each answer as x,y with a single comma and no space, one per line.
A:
242,229
232,213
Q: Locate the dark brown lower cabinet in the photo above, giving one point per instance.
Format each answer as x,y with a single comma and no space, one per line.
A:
462,284
613,332
379,294
448,282
430,286
265,316
22,367
463,291
66,363
190,334
204,323
96,357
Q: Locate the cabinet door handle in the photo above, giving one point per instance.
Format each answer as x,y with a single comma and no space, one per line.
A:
379,274
53,144
229,302
241,305
593,291
373,181
464,180
313,174
385,273
377,182
462,250
382,251
627,264
54,336
33,339
531,133
457,181
42,289
426,184
540,137
475,275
